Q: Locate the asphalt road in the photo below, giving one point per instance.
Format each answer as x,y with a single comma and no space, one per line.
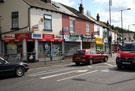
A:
69,77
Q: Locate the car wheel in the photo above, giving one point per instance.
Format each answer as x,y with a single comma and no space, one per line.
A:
19,71
105,59
90,61
77,63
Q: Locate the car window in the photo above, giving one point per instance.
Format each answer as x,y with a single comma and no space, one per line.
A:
80,53
89,52
93,52
128,47
1,61
98,52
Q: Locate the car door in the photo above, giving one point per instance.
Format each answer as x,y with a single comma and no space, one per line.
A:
94,55
5,68
99,55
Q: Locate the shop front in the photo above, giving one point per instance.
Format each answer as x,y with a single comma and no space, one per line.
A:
72,44
15,44
50,47
88,43
99,43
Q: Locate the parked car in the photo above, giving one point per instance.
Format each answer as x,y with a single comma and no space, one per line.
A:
12,68
126,55
89,56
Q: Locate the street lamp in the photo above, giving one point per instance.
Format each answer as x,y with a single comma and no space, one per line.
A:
122,21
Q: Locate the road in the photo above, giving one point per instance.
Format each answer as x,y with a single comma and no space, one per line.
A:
69,77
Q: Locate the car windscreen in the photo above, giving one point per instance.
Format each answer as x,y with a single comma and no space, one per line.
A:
128,47
80,53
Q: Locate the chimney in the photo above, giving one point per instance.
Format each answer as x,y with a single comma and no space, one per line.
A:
107,23
46,1
98,17
81,9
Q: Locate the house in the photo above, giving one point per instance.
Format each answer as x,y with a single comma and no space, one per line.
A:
49,28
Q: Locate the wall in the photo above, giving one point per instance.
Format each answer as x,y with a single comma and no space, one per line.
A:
37,14
10,6
80,25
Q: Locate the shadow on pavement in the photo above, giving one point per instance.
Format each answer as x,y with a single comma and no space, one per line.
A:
124,69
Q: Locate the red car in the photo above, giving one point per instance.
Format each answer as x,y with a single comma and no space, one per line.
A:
126,55
89,56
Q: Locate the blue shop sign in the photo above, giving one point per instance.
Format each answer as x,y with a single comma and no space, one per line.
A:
37,36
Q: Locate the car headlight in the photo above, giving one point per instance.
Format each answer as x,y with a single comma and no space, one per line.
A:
118,55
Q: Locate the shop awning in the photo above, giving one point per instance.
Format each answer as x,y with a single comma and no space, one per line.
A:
99,41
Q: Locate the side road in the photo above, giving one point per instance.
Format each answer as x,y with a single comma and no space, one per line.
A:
64,61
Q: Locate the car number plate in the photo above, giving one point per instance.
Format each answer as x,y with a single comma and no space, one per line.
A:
125,62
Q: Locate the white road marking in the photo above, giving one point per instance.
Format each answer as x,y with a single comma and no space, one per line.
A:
57,75
90,66
105,70
64,73
109,64
77,75
82,70
45,72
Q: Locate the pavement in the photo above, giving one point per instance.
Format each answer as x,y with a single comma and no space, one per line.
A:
58,62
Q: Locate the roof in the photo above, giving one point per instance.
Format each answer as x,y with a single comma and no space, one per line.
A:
77,13
40,4
62,9
97,22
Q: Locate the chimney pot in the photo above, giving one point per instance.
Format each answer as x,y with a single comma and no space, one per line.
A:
81,9
98,17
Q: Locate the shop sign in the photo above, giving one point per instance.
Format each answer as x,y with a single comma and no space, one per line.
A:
89,39
8,36
58,38
22,36
74,37
69,38
65,29
37,36
106,40
48,36
30,40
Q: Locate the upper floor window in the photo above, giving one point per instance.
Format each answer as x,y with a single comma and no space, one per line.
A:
87,29
71,26
48,22
15,20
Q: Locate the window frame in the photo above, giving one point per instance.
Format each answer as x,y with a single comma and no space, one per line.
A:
87,28
72,26
47,20
15,15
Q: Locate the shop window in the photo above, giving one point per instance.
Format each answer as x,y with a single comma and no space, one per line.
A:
87,29
11,48
15,20
71,26
56,49
47,22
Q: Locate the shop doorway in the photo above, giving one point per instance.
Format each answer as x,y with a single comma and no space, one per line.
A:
30,48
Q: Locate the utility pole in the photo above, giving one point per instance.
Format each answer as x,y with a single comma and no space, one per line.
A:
110,45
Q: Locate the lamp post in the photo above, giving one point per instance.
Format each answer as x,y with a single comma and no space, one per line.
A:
122,21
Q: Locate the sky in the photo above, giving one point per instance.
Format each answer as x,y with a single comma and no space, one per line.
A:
102,7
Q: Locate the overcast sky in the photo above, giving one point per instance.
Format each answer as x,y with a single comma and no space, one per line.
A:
102,7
